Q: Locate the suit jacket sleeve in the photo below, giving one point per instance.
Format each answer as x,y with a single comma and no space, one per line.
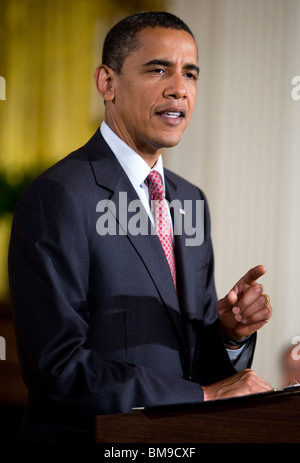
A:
210,351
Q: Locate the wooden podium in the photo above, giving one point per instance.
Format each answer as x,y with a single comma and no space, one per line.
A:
272,417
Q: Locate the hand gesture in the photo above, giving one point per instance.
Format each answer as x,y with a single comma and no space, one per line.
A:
245,309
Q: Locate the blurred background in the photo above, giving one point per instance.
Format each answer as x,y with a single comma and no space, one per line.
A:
242,146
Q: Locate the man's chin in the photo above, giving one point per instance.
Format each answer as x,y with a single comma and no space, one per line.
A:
170,141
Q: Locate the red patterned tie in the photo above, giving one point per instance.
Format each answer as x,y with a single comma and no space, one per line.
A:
162,219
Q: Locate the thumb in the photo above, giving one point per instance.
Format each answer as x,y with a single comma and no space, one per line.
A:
227,302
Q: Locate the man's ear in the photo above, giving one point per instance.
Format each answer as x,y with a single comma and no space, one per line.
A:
104,77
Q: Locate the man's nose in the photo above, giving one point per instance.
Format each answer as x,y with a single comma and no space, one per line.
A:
176,87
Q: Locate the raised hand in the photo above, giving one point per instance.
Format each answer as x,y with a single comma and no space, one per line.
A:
246,308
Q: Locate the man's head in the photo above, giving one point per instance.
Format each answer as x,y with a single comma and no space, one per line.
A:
122,39
150,87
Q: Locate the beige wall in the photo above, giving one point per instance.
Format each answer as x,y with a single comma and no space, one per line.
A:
243,149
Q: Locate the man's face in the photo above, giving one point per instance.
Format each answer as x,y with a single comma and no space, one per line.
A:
155,93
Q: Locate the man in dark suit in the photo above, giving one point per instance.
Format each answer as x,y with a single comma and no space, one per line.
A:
102,323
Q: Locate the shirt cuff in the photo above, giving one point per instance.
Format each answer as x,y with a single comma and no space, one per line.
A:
235,353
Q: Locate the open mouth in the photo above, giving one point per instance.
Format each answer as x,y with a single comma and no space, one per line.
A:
172,114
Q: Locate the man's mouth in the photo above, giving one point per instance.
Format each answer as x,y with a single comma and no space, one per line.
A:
172,114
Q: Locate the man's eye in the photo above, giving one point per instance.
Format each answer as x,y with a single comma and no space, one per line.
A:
190,75
158,71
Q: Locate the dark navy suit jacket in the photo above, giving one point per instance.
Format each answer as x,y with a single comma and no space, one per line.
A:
100,328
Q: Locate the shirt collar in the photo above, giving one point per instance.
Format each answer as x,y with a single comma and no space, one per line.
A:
133,164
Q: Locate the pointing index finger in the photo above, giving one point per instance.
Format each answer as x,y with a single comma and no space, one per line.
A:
253,274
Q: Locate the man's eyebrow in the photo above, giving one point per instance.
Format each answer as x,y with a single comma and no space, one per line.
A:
192,67
166,63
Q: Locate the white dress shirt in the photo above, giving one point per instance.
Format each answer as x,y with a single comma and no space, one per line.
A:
136,169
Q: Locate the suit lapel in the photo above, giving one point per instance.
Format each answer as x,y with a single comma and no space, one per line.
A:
110,175
185,265
183,254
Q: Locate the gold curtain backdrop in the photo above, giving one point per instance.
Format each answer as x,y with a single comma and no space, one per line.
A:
48,53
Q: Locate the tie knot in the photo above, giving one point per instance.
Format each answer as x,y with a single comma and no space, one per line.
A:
155,185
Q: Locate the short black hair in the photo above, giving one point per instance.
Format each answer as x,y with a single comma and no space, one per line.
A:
121,40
